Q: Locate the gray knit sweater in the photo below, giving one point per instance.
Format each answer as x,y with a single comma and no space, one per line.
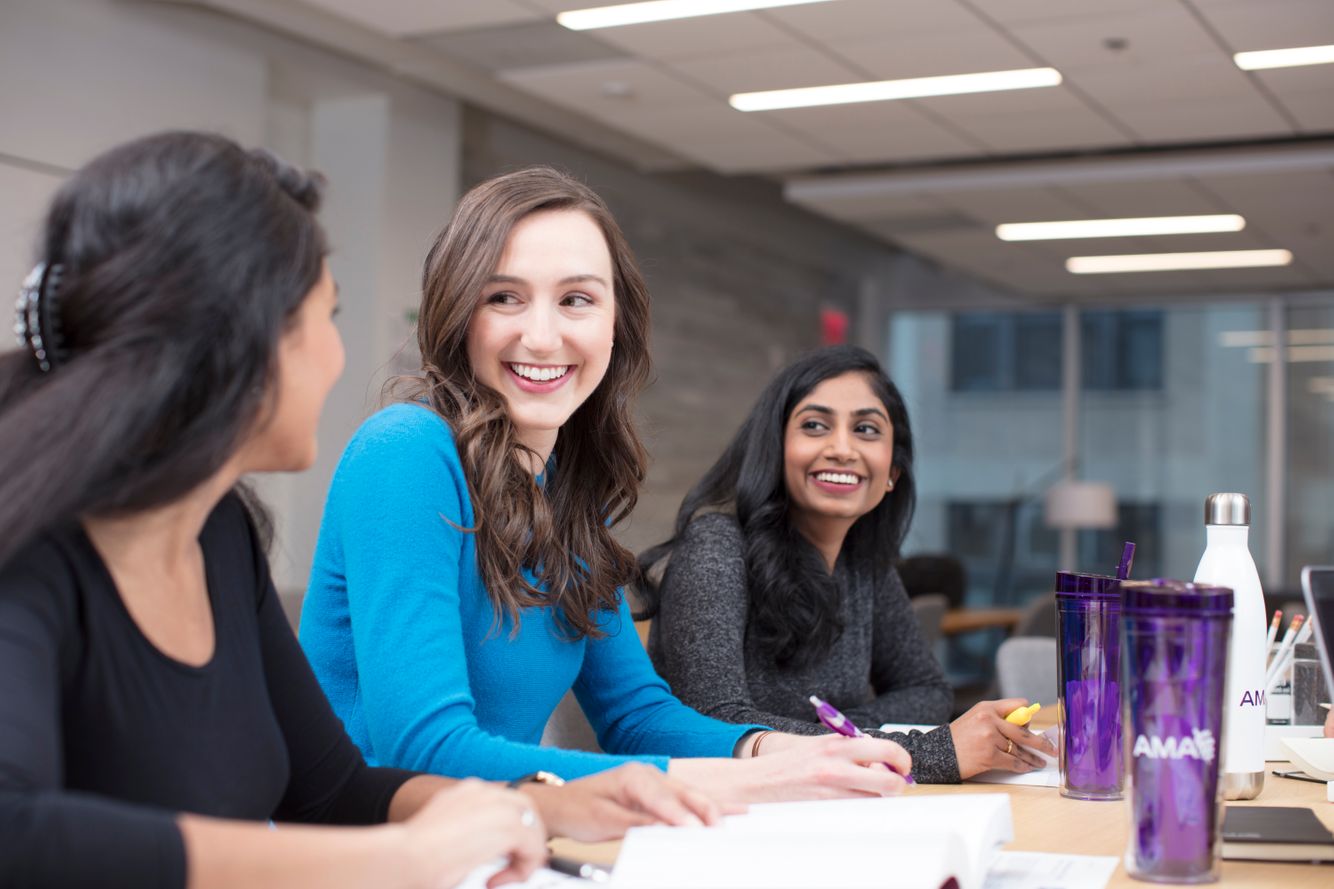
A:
878,671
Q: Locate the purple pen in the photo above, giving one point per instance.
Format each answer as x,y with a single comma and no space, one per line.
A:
837,722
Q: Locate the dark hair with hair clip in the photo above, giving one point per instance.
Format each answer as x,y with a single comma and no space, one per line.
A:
794,602
181,260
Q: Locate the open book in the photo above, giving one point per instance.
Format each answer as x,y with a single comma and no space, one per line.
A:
906,842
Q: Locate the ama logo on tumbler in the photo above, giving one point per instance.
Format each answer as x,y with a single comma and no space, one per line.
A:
1199,745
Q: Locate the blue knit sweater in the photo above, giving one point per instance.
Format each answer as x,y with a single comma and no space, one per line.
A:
400,631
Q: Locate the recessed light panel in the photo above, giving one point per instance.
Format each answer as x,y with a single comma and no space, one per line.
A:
887,90
1171,262
661,11
1119,228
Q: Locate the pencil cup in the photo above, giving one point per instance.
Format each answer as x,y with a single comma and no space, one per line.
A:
1088,673
1175,647
1307,682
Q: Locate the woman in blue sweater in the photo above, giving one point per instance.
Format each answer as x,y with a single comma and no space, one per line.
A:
466,575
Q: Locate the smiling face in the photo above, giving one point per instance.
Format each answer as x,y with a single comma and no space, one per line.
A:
838,451
542,332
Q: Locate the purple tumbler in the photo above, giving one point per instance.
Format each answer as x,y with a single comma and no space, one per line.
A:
1176,645
1088,673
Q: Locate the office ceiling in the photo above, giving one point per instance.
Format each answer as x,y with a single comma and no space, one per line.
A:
1153,118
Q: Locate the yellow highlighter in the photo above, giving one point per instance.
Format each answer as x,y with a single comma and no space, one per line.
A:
1021,715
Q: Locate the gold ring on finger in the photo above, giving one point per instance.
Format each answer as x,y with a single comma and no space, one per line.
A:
1010,748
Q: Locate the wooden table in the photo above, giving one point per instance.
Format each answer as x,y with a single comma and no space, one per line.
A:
966,620
1045,821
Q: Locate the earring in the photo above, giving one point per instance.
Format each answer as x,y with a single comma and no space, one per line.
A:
889,485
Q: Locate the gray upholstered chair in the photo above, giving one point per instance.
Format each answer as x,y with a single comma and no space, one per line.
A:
930,611
1026,668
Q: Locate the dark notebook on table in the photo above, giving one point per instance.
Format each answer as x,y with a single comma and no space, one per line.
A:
1276,833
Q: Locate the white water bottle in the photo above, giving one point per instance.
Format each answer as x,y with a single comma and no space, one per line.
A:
1227,562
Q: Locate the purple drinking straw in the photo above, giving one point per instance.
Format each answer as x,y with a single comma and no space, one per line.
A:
1127,559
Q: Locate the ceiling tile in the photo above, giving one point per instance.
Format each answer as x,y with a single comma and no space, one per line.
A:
1162,197
1020,12
996,205
1202,120
888,57
1153,32
1271,24
403,18
522,45
786,68
603,88
875,131
1306,93
769,152
1281,277
860,19
1042,131
1175,78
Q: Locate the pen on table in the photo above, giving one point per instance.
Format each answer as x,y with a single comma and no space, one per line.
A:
1127,559
837,722
1273,629
582,869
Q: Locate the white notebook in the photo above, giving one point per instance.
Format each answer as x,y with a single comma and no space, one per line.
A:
905,842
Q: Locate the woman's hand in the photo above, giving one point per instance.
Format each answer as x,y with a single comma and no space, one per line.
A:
604,806
466,826
799,767
983,740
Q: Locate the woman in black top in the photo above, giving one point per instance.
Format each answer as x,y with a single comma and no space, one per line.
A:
154,704
781,582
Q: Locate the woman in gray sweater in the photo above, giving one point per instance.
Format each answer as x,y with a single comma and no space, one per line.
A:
780,582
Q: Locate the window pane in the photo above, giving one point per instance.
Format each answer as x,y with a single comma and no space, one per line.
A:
1037,351
976,353
1182,416
1310,452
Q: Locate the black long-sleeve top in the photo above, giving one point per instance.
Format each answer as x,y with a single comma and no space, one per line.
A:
880,670
104,739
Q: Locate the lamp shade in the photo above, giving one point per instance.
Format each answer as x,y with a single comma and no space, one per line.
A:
1074,504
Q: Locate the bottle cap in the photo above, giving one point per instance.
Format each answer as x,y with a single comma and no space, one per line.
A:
1227,509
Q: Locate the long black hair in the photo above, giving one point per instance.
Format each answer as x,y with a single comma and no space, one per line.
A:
175,262
794,602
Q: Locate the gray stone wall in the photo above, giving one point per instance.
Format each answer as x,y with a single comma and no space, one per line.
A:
737,278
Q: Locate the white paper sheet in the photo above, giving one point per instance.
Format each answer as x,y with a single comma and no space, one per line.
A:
1046,870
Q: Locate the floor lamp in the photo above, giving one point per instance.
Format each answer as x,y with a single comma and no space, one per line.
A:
1072,506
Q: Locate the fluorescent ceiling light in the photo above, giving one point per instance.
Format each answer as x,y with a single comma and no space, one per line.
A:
1284,58
1169,262
885,90
661,11
1119,228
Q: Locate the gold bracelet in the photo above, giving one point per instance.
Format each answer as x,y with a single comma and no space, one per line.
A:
755,745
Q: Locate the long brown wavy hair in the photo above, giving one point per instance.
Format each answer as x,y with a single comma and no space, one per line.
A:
562,531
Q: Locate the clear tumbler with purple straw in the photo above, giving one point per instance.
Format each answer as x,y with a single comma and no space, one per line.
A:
1175,649
1088,673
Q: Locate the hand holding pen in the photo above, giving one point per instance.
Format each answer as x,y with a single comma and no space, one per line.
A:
837,722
